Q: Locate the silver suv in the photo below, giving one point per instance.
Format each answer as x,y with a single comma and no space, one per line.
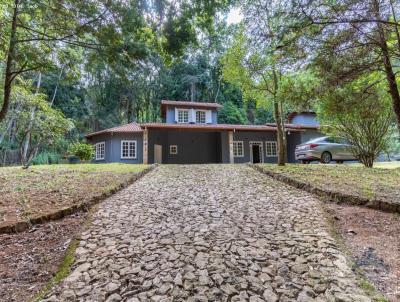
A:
325,149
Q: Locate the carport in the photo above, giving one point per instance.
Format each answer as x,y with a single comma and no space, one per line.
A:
195,144
184,147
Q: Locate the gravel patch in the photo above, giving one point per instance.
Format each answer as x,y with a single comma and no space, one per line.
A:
209,233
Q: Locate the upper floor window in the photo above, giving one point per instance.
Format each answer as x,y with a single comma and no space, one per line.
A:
183,116
128,149
200,117
271,148
100,150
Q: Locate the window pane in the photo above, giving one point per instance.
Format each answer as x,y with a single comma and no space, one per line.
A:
100,150
271,148
237,149
128,149
183,116
132,150
200,117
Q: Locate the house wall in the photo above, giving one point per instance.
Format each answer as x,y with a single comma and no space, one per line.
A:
170,115
305,119
113,147
310,134
197,147
159,138
293,139
193,147
224,140
248,137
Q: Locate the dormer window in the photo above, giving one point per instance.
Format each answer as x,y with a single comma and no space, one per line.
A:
183,116
200,117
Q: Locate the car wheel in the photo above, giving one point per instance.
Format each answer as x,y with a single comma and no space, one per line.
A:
326,157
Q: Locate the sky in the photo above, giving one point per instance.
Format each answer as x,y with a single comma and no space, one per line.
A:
234,16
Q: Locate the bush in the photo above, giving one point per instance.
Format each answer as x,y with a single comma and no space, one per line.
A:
82,150
46,158
362,114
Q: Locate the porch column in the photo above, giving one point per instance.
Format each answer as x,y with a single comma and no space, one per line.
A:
230,142
145,146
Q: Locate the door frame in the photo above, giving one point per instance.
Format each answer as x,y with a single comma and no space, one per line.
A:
260,144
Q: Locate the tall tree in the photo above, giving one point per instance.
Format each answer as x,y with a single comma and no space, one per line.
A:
263,55
258,71
349,39
121,31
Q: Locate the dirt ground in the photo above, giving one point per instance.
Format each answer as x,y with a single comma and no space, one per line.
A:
373,238
39,190
28,260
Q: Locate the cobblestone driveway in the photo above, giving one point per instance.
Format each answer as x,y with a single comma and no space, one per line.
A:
209,233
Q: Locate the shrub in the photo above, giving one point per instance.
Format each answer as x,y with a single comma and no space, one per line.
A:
82,150
360,113
46,158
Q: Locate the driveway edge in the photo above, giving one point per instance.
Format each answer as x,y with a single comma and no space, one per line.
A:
331,195
61,213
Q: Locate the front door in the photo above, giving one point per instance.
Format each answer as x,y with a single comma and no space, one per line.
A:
158,154
256,152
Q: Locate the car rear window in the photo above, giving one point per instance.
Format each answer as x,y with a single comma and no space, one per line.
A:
316,140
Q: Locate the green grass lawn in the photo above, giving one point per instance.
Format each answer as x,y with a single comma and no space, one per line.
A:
375,183
384,165
46,188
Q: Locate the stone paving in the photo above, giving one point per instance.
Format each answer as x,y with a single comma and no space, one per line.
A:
209,233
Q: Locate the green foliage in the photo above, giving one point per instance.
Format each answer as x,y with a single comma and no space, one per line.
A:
231,114
48,124
46,158
82,150
33,120
362,114
300,90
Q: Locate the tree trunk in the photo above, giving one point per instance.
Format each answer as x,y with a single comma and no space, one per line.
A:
56,88
396,27
192,91
367,160
33,112
279,125
390,75
280,135
283,128
8,79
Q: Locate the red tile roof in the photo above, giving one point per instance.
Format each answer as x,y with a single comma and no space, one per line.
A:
209,127
190,104
127,128
296,126
138,128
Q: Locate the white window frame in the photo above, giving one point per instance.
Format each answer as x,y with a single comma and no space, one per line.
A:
129,144
171,147
177,116
242,149
276,148
205,116
97,145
